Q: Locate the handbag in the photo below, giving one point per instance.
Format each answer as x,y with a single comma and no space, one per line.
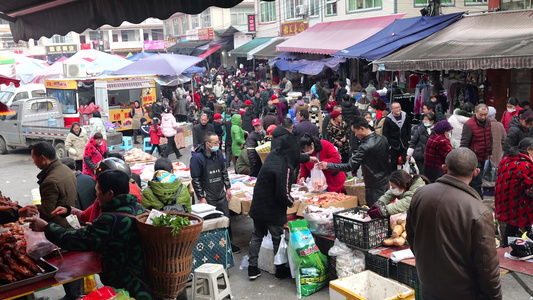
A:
175,206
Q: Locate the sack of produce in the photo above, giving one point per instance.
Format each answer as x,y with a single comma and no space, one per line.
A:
320,220
310,263
348,261
317,181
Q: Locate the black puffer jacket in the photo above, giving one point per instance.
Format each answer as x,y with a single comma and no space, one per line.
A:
272,189
516,133
349,111
247,118
375,171
396,136
253,140
418,142
209,174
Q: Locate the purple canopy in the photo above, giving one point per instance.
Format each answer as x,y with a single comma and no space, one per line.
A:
160,64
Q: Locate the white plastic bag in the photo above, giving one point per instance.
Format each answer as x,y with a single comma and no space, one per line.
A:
37,245
348,261
244,262
281,256
407,167
320,220
317,181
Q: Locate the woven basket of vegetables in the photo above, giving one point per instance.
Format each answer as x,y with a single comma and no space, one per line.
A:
168,244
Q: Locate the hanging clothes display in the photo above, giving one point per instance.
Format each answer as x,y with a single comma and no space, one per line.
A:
460,93
421,97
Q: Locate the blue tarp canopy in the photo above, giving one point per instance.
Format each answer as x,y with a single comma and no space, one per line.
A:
139,56
400,33
309,67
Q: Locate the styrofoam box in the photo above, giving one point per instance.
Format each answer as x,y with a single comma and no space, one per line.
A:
370,286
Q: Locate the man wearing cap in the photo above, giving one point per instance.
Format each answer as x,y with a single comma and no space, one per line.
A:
217,125
254,139
304,126
199,130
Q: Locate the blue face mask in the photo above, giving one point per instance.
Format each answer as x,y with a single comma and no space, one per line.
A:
214,149
427,124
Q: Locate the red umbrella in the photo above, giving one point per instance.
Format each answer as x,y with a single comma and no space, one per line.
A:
8,80
5,111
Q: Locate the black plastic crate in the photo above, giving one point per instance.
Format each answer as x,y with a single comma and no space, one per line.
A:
359,234
407,275
377,264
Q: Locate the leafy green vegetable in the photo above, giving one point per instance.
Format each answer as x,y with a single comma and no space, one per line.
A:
176,222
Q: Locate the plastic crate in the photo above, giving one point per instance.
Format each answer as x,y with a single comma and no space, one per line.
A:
332,265
406,274
377,264
359,234
365,285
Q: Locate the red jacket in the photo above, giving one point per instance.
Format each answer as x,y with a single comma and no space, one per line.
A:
514,191
155,135
437,148
327,154
197,99
507,116
95,153
94,211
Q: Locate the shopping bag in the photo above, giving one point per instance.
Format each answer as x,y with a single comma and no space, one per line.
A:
407,167
37,245
490,173
281,256
317,181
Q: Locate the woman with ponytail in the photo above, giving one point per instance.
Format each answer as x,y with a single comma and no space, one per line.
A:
402,188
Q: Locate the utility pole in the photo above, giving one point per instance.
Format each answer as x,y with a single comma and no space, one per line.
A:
435,75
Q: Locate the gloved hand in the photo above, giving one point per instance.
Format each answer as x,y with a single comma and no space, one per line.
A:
375,213
72,151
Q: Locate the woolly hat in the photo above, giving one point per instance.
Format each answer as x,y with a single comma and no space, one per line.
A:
247,102
217,117
334,114
274,97
492,112
442,127
271,128
375,94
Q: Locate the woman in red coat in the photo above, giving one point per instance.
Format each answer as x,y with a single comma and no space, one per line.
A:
324,151
95,151
514,189
513,108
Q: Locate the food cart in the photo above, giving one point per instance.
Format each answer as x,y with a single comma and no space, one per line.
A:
114,94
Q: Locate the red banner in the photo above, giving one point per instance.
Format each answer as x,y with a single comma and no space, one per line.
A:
251,23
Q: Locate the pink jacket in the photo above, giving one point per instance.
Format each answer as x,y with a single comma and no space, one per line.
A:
169,126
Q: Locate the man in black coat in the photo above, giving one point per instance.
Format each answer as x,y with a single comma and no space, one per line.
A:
372,156
199,130
397,130
85,185
304,126
253,140
272,194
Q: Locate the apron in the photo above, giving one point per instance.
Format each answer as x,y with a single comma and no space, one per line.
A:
215,191
136,122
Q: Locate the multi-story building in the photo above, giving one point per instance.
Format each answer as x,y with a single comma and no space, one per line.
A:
272,16
225,26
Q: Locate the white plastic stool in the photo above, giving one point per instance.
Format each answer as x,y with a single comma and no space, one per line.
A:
205,284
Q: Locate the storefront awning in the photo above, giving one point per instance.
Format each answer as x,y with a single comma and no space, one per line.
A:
269,50
37,18
186,48
210,51
500,40
309,67
331,37
397,35
243,50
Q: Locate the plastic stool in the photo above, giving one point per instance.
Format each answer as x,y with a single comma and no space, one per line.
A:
205,285
111,148
147,146
127,143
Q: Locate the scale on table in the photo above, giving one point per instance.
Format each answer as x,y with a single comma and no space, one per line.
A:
206,211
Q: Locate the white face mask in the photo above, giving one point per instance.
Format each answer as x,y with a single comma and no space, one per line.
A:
310,152
511,110
396,192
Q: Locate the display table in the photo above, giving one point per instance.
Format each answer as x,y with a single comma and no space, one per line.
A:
213,245
72,266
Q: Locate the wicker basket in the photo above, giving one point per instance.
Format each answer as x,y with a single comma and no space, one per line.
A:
263,156
168,258
356,190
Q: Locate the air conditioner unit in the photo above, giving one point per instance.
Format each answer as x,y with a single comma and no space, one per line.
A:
301,10
74,70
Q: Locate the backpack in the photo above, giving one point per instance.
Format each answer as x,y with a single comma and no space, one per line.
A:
379,127
175,206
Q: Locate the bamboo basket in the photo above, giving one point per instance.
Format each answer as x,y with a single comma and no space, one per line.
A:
263,156
356,190
168,258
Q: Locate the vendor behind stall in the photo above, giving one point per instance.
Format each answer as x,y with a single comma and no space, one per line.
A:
113,235
402,188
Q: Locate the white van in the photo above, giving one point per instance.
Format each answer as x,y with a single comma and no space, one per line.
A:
27,91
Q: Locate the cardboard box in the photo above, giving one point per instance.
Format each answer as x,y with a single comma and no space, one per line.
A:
348,203
235,203
246,204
